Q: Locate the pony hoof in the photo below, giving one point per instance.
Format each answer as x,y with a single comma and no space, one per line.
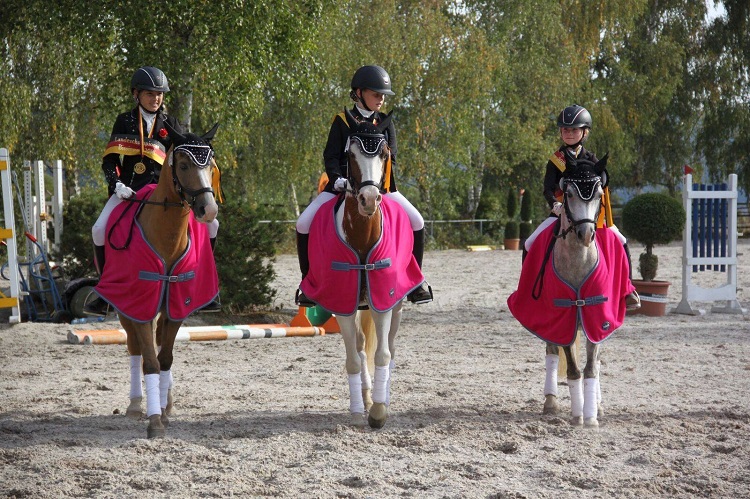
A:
377,416
358,419
591,423
599,411
550,405
134,410
155,427
576,421
164,419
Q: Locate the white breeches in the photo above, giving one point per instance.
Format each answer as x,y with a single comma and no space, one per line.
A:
99,230
305,219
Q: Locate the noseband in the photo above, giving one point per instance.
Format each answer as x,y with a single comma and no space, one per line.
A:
371,145
201,155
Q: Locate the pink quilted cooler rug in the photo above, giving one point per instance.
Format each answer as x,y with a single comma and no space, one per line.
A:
135,281
335,273
598,308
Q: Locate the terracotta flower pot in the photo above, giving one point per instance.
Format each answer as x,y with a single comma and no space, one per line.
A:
511,244
653,297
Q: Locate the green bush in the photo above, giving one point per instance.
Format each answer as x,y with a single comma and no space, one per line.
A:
245,251
511,230
652,218
511,204
527,207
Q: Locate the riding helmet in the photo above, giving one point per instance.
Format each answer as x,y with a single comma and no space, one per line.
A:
149,78
373,77
574,116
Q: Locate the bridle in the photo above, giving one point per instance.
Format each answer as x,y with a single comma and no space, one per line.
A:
371,145
586,189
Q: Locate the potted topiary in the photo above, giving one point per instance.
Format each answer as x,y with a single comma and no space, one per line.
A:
526,226
652,218
511,240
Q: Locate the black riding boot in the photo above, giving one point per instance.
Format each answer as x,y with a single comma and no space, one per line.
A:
423,293
215,304
304,267
632,301
98,306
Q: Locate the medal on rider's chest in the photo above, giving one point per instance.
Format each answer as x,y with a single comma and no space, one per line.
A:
139,168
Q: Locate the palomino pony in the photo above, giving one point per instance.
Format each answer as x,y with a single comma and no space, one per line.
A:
173,272
372,267
583,289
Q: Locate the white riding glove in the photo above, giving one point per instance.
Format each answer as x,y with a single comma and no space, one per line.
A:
557,208
122,191
340,185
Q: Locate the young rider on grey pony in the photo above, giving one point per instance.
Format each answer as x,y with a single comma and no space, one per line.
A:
575,124
370,85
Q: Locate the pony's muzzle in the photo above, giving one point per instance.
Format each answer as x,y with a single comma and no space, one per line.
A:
206,212
369,198
585,233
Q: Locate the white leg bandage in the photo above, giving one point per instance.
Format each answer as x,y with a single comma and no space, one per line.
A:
165,378
576,396
391,367
153,404
136,388
551,363
379,387
356,403
589,398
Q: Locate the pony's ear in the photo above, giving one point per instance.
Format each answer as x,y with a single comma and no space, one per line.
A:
209,136
383,125
176,136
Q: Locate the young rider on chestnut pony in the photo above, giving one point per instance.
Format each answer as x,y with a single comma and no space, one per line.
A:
370,85
575,123
133,158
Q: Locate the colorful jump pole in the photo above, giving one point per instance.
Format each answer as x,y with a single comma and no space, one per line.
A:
198,333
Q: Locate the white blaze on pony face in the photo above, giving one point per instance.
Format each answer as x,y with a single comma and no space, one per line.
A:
580,213
195,178
367,169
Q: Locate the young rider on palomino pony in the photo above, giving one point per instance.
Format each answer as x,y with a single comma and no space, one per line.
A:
575,123
370,85
133,159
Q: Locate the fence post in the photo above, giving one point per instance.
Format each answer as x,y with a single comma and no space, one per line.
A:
8,235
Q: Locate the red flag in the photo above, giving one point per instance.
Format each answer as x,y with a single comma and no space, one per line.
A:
686,169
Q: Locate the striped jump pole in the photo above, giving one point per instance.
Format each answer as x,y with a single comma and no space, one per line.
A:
198,333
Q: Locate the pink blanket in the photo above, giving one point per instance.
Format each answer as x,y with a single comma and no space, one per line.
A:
598,307
335,272
135,281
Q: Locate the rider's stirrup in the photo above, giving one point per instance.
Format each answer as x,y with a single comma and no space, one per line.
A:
423,294
302,300
633,301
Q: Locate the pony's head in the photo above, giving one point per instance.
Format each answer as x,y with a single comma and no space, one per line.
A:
192,164
368,154
583,187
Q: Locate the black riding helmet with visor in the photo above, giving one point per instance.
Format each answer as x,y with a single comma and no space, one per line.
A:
149,78
575,116
373,78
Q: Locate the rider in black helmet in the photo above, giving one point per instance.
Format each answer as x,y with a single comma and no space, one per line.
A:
369,86
575,124
134,155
